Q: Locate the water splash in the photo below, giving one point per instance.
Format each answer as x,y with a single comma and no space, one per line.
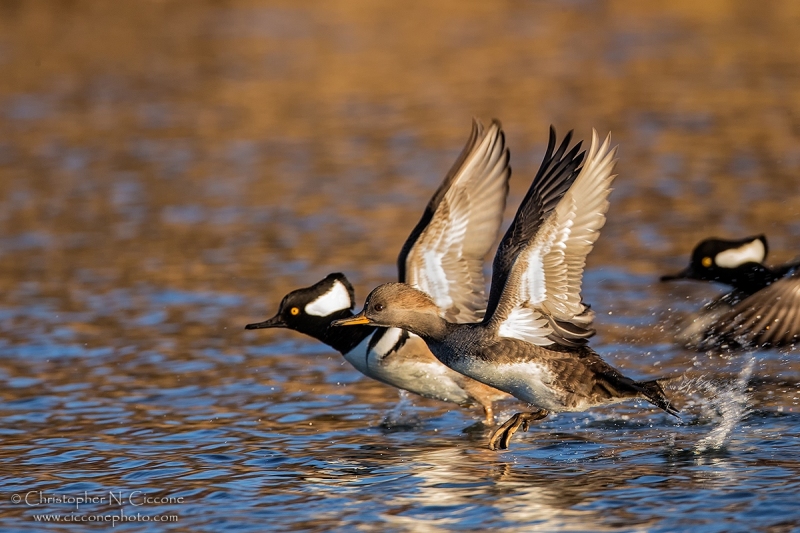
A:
731,404
400,416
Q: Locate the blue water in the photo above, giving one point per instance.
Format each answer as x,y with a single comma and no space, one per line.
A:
250,429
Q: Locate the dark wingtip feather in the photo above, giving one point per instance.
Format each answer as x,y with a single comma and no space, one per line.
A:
555,176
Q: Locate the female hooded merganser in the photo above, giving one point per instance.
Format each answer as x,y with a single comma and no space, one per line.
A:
531,341
443,256
763,309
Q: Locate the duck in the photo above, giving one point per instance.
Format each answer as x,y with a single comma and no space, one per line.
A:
532,340
762,309
444,256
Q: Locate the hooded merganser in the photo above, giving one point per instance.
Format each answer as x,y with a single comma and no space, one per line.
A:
531,341
763,309
443,256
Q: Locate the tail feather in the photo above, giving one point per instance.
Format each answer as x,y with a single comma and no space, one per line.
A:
655,394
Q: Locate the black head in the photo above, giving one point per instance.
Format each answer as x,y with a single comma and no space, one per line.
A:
311,310
725,261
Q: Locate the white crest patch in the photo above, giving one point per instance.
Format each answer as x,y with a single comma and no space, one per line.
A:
336,299
387,342
750,252
526,325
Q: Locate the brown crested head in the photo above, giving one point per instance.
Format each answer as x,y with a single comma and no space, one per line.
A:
400,305
395,297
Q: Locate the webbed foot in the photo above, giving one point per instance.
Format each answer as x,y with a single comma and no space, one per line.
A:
504,433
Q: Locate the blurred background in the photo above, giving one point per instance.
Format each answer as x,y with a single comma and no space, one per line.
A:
229,145
169,170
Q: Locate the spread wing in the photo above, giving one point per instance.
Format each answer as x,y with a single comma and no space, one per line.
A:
445,252
536,287
769,317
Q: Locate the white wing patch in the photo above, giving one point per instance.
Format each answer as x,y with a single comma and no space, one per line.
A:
534,277
336,299
750,252
434,279
526,325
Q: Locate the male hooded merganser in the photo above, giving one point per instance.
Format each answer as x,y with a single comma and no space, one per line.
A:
443,256
763,309
531,341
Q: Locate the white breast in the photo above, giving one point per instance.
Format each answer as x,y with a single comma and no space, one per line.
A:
368,361
427,378
386,343
358,356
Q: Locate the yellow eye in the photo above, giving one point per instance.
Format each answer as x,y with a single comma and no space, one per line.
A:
294,311
706,262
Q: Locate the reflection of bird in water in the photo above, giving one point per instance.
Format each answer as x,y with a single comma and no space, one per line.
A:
457,485
531,342
444,256
762,310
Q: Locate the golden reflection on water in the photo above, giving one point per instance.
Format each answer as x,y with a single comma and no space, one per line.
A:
141,139
169,170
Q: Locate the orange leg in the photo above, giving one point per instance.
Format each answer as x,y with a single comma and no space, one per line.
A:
489,414
507,430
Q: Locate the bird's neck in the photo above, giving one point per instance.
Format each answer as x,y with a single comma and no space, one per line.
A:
750,277
340,339
430,327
